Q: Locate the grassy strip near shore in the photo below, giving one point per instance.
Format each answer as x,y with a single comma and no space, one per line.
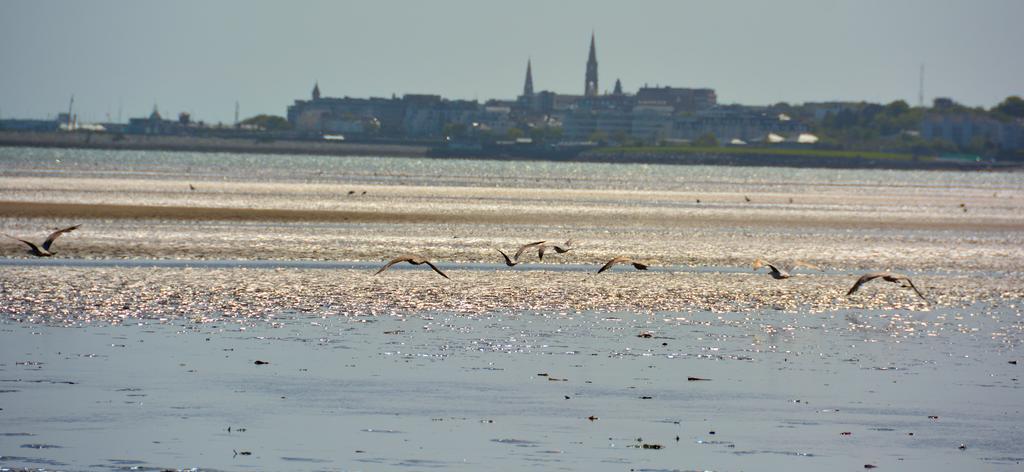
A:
760,151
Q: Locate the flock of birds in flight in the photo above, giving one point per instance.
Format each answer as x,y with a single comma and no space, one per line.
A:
775,271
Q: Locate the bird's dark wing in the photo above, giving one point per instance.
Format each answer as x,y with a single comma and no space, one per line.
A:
864,278
541,250
609,264
779,273
30,244
391,263
639,266
524,247
564,248
508,261
432,266
918,292
56,234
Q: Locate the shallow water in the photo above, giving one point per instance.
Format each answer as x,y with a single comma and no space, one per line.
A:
511,391
81,163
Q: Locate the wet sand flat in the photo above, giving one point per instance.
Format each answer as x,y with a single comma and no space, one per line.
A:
73,295
668,244
135,346
683,219
905,228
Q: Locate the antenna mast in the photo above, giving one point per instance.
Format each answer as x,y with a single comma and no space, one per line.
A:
70,105
920,88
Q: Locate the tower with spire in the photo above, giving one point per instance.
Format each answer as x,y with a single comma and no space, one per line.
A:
316,91
528,85
590,90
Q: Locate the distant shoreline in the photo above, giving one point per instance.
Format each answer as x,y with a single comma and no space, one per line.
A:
134,142
720,156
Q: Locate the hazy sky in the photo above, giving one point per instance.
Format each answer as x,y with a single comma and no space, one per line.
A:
202,56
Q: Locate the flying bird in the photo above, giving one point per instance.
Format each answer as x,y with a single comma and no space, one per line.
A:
542,247
412,259
191,187
44,251
508,261
565,247
888,277
780,273
776,273
559,248
525,247
622,260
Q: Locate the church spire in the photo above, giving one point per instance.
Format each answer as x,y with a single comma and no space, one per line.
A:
618,87
528,86
316,91
590,89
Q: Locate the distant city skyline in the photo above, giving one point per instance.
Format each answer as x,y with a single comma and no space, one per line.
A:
124,57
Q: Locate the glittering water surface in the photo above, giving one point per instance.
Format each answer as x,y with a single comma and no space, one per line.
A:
515,390
135,347
419,171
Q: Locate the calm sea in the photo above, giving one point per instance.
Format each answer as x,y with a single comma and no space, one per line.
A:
459,172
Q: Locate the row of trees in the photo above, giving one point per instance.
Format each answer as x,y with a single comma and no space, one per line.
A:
268,123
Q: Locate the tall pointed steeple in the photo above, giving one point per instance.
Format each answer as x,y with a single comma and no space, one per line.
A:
618,87
590,89
316,91
528,86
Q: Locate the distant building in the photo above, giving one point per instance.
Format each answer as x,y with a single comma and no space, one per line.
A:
652,122
652,115
357,116
965,129
682,100
599,124
154,124
30,125
953,123
411,116
528,84
727,123
427,115
590,87
604,116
